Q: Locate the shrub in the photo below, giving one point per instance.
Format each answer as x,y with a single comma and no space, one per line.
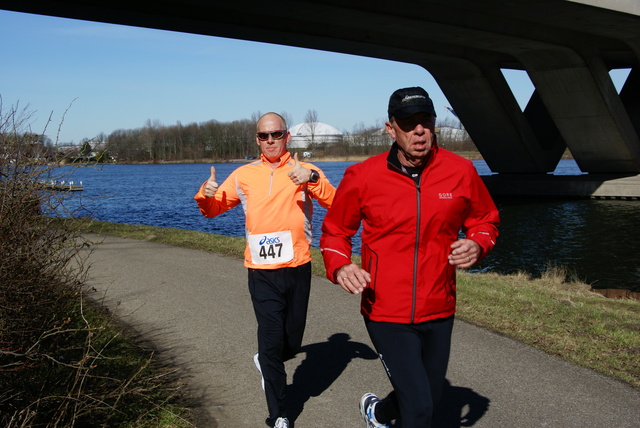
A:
63,363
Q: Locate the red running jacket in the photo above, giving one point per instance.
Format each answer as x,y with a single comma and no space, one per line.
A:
407,231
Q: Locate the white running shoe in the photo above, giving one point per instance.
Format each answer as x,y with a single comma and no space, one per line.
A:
367,404
281,423
257,363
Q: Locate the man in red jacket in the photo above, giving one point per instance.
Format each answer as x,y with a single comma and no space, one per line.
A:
412,201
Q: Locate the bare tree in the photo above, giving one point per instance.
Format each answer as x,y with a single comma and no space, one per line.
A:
288,119
148,132
255,116
311,119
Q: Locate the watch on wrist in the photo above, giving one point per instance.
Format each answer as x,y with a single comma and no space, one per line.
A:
314,177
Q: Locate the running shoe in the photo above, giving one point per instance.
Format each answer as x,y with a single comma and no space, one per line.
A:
257,363
281,423
367,404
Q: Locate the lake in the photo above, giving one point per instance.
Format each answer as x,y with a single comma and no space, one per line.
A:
595,239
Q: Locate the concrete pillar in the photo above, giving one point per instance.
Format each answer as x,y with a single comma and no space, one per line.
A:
544,128
483,101
585,107
630,97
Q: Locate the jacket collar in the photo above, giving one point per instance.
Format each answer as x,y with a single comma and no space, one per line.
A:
393,160
286,157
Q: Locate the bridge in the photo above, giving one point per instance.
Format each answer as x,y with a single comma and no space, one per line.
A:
567,48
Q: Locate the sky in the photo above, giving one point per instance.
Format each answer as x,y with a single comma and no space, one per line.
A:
78,79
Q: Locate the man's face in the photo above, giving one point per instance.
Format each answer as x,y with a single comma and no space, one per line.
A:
414,135
272,148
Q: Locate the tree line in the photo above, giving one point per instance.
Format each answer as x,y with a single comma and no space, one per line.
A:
236,140
222,141
219,141
209,140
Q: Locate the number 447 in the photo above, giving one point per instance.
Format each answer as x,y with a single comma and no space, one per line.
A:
271,251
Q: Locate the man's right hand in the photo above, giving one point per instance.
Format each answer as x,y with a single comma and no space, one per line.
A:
352,278
211,186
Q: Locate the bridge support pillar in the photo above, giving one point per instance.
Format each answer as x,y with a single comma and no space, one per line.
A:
587,110
509,140
630,96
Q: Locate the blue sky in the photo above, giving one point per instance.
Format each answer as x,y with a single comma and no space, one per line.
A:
113,77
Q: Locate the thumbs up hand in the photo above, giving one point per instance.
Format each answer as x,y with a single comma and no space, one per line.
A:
299,174
211,186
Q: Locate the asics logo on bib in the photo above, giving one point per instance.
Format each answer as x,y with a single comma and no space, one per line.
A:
269,241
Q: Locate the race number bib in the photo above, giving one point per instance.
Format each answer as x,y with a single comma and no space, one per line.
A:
268,248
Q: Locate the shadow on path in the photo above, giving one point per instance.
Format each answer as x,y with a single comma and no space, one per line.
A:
460,407
323,364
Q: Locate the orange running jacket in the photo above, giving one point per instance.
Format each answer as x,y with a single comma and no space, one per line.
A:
278,212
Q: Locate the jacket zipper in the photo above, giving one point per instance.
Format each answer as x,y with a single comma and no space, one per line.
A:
271,181
415,251
414,291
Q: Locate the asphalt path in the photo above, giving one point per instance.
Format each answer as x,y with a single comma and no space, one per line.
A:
194,307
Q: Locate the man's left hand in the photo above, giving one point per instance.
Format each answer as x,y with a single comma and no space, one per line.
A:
299,174
464,253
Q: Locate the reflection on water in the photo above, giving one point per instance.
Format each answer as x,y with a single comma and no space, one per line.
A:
594,238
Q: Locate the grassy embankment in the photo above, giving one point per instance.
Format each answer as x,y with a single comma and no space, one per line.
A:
561,318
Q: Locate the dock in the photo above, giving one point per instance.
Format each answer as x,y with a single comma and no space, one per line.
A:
64,186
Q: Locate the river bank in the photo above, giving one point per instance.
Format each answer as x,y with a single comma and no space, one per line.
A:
471,155
534,233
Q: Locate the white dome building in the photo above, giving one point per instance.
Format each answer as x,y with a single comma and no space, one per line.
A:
304,134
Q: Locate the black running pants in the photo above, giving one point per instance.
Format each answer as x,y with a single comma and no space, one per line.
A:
280,299
415,357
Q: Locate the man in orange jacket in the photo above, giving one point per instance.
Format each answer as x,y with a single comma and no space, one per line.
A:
276,194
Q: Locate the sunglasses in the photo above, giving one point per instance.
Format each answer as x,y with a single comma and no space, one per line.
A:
276,135
410,123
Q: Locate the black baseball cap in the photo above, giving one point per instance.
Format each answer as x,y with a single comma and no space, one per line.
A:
407,101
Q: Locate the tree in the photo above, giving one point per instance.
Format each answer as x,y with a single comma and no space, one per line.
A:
287,118
311,120
85,151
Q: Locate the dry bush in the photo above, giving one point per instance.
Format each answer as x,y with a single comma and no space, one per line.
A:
41,274
61,365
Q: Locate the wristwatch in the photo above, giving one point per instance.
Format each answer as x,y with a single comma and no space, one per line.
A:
314,177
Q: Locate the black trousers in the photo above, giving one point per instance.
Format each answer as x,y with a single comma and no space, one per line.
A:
415,357
280,300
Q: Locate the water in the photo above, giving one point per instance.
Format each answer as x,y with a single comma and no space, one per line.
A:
594,239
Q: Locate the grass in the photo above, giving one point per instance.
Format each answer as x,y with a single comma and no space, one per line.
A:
560,317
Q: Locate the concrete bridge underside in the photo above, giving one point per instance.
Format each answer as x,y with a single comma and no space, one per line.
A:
566,47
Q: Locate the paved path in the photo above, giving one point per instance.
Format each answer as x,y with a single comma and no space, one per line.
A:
195,306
